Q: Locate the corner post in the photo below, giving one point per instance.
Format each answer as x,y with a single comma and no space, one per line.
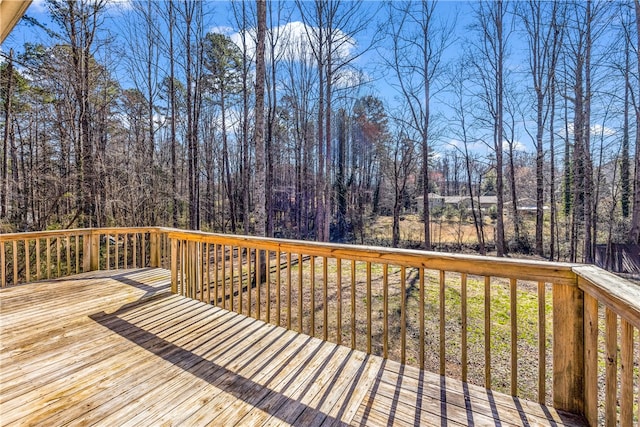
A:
154,256
568,348
87,249
95,250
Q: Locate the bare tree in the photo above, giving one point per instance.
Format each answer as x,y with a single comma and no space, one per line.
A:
489,66
330,26
634,235
461,132
260,189
8,91
399,168
540,20
418,42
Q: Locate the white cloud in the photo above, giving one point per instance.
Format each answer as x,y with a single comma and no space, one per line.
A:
293,41
596,130
120,5
517,146
222,29
602,130
38,6
473,146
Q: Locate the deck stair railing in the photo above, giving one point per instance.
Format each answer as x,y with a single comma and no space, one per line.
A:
560,334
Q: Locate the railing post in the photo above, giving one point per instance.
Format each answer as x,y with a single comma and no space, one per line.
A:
87,251
154,256
568,348
95,250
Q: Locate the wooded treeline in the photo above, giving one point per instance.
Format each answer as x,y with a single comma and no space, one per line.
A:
312,118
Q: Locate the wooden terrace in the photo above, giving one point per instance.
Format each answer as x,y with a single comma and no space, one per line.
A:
165,327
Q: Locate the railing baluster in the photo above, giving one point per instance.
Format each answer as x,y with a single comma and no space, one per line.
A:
353,304
27,260
195,268
108,246
463,328
258,277
591,359
143,250
3,266
369,328
300,292
339,301
38,266
192,267
125,239
48,251
513,314
202,259
187,267
267,278
385,310
117,237
77,243
68,255
278,290
134,251
231,267
487,331
542,342
58,261
626,374
174,266
442,325
15,262
240,277
216,277
611,371
289,290
223,249
325,300
312,285
421,321
403,314
249,284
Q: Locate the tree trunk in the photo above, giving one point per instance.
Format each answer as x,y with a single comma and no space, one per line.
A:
260,176
172,121
499,132
8,120
634,234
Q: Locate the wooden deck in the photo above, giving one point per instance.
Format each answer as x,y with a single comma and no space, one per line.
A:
117,348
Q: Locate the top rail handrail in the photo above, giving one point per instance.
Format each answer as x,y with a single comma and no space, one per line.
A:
552,272
7,237
620,295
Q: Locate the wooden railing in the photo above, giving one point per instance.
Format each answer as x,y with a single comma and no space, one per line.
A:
25,257
527,328
560,334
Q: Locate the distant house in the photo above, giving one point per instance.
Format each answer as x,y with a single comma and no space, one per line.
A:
435,201
486,202
526,206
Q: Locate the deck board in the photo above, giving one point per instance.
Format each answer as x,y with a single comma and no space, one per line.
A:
117,348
